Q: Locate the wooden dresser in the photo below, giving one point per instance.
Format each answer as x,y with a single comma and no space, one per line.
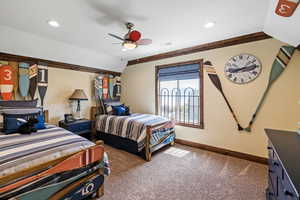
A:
284,165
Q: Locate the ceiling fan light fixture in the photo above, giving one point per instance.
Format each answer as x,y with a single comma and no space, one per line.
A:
129,45
209,25
53,23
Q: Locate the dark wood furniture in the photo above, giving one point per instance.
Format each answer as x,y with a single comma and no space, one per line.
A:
284,165
82,127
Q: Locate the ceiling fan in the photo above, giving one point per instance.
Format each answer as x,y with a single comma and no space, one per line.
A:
132,39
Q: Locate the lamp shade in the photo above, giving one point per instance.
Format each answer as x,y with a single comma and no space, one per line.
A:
78,94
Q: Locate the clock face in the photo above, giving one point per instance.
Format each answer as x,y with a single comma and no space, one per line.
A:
242,68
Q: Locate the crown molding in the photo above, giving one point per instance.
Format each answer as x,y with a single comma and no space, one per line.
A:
203,47
55,64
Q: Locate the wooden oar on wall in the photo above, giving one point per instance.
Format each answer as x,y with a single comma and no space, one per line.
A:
42,80
211,71
111,86
33,74
98,86
15,76
6,82
282,60
24,79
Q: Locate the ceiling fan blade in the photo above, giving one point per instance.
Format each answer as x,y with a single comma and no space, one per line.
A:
144,42
115,36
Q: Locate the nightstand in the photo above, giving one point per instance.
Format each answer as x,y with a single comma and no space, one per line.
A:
82,127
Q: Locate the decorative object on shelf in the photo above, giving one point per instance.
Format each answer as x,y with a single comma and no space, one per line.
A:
6,82
105,87
117,87
213,76
286,8
111,86
24,79
15,76
282,60
33,73
78,95
98,86
243,68
42,81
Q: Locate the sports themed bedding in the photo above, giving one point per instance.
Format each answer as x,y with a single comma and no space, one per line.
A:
134,128
80,166
19,152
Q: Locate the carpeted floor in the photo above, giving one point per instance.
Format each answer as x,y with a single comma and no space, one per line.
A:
183,173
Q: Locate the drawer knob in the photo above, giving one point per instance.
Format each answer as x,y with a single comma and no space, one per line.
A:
269,148
276,164
288,193
271,171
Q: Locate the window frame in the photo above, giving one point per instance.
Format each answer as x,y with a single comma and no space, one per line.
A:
201,90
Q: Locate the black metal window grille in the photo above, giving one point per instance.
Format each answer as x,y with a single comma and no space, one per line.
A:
181,105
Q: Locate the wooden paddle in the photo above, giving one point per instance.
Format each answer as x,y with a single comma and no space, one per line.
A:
76,161
282,60
211,71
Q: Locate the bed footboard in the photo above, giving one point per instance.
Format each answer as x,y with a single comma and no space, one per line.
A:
149,130
69,164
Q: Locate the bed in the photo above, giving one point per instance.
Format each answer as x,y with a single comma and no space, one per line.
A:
52,163
141,134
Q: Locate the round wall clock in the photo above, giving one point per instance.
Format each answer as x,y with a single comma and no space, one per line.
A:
243,68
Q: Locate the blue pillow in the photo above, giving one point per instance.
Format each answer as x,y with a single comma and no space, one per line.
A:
41,124
119,110
12,124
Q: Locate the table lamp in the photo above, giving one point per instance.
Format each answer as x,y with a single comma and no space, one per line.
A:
78,95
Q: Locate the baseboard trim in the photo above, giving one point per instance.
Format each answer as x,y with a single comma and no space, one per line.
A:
236,154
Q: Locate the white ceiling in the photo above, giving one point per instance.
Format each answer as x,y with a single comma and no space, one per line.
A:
85,24
286,29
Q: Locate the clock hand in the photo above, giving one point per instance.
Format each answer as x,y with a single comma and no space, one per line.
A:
250,68
243,69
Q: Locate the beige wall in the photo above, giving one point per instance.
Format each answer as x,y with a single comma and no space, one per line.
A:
61,85
280,111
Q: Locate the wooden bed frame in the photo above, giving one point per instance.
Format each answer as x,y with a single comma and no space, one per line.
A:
149,130
55,162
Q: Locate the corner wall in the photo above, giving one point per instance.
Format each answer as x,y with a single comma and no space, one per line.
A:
280,110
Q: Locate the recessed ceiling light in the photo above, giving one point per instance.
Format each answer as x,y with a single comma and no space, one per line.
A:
124,49
209,24
168,43
53,23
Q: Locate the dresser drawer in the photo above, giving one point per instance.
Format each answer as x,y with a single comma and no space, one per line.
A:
272,189
273,182
288,191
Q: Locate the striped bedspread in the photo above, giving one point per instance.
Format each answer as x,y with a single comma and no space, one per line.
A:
19,152
132,127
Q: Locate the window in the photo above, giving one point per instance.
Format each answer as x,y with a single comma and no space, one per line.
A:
179,93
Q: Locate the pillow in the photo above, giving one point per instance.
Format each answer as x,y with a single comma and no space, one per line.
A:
109,110
127,110
41,122
19,103
12,122
119,110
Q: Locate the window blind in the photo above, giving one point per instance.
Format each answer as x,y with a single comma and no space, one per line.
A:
182,72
